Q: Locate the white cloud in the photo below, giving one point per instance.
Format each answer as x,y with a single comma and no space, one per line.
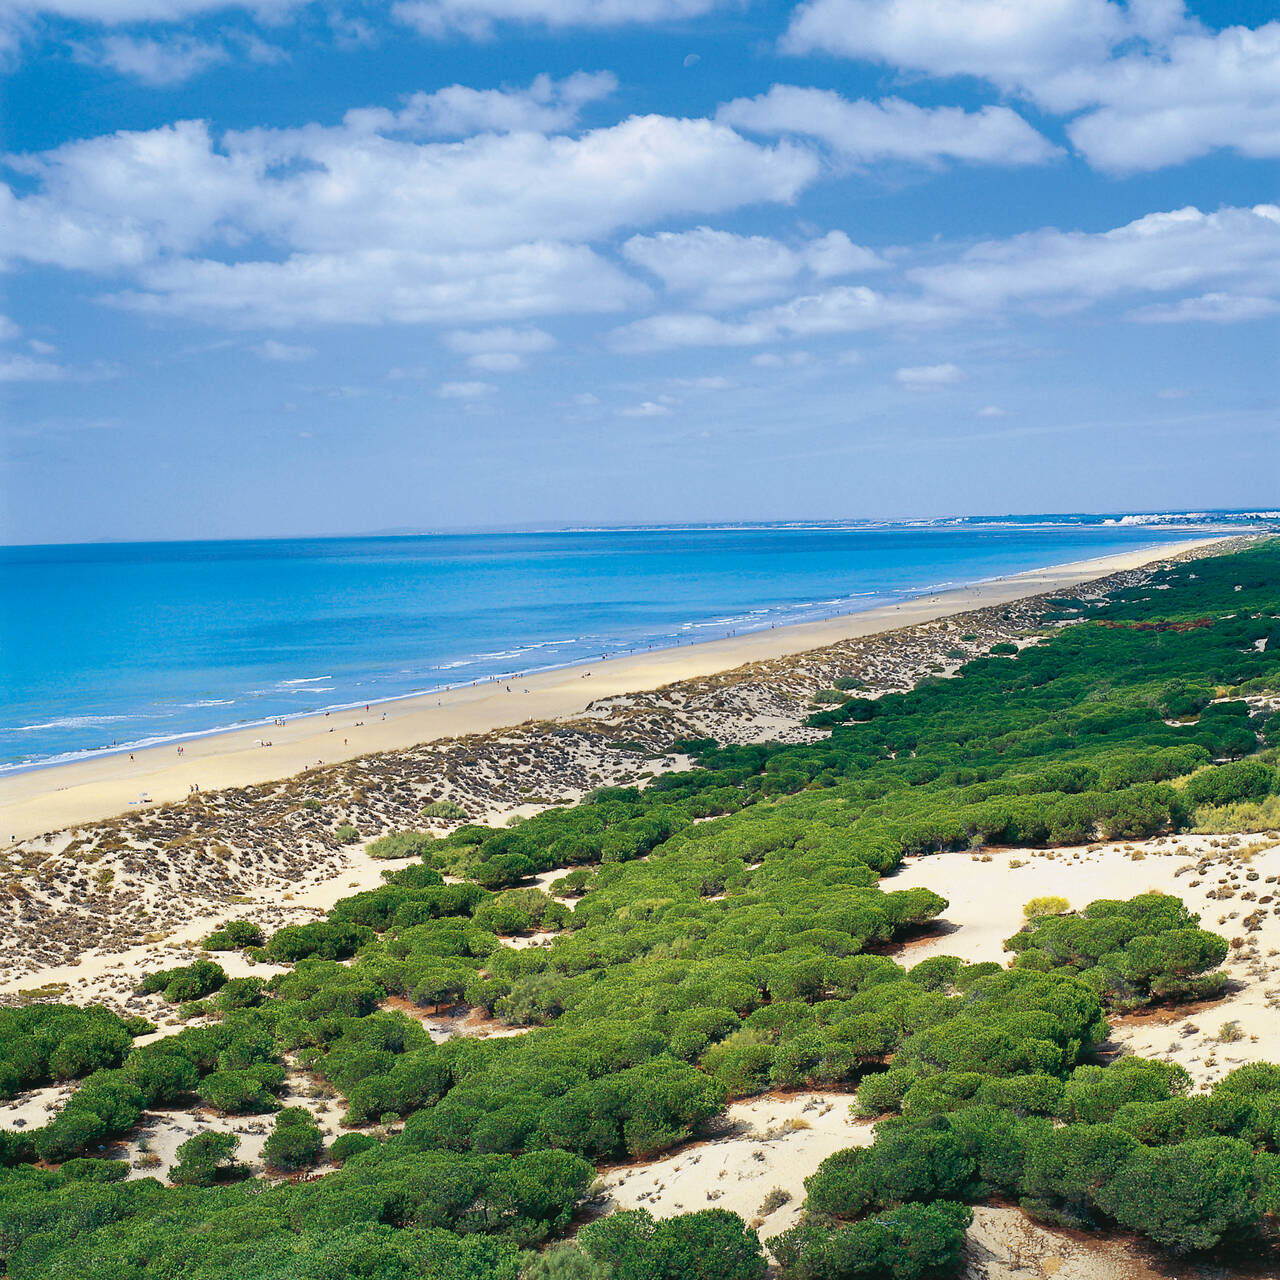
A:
283,352
891,129
363,227
1215,267
9,330
1180,251
929,375
116,12
155,62
500,350
477,18
661,332
1217,308
502,339
546,106
722,269
782,360
840,309
496,362
386,287
1155,85
1007,41
992,411
466,390
646,409
23,368
1201,92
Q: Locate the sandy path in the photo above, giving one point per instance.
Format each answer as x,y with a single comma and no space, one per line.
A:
39,800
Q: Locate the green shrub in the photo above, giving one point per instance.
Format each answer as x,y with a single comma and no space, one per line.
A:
447,809
205,1159
236,1092
403,844
914,1242
711,1244
233,935
295,1142
188,982
351,1144
82,1170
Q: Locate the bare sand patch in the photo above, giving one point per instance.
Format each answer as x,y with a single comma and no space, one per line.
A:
1232,882
769,1143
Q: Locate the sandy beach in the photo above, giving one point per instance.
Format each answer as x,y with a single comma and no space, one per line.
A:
38,800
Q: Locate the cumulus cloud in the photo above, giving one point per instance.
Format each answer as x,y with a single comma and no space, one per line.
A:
840,309
1217,308
117,12
478,18
1218,267
130,196
929,375
1200,92
1004,41
383,286
891,129
546,106
721,269
1050,270
16,367
646,409
365,227
159,63
466,390
1152,84
500,350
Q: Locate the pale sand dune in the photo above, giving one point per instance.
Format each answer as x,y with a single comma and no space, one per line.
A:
986,900
41,800
110,976
771,1142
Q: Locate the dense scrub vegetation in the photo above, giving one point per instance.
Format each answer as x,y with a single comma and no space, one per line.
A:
726,937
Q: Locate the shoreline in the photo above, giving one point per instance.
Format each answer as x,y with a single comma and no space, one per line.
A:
44,798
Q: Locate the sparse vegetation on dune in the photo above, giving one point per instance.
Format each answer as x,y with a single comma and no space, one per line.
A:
727,936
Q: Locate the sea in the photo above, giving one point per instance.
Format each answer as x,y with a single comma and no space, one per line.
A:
119,645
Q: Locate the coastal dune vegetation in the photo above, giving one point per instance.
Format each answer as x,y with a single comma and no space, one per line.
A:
726,930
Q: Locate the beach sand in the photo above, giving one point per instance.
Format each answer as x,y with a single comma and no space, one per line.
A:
46,799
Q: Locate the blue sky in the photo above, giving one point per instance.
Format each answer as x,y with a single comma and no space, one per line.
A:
286,267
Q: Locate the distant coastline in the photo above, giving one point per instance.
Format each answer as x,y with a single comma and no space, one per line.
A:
101,784
162,644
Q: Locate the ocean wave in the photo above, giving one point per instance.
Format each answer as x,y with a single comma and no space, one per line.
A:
68,722
307,680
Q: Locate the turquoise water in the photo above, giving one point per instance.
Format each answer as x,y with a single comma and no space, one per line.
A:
128,644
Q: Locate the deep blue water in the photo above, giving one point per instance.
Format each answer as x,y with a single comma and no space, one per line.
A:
133,643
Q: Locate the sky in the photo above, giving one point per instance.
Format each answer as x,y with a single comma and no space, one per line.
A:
286,267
